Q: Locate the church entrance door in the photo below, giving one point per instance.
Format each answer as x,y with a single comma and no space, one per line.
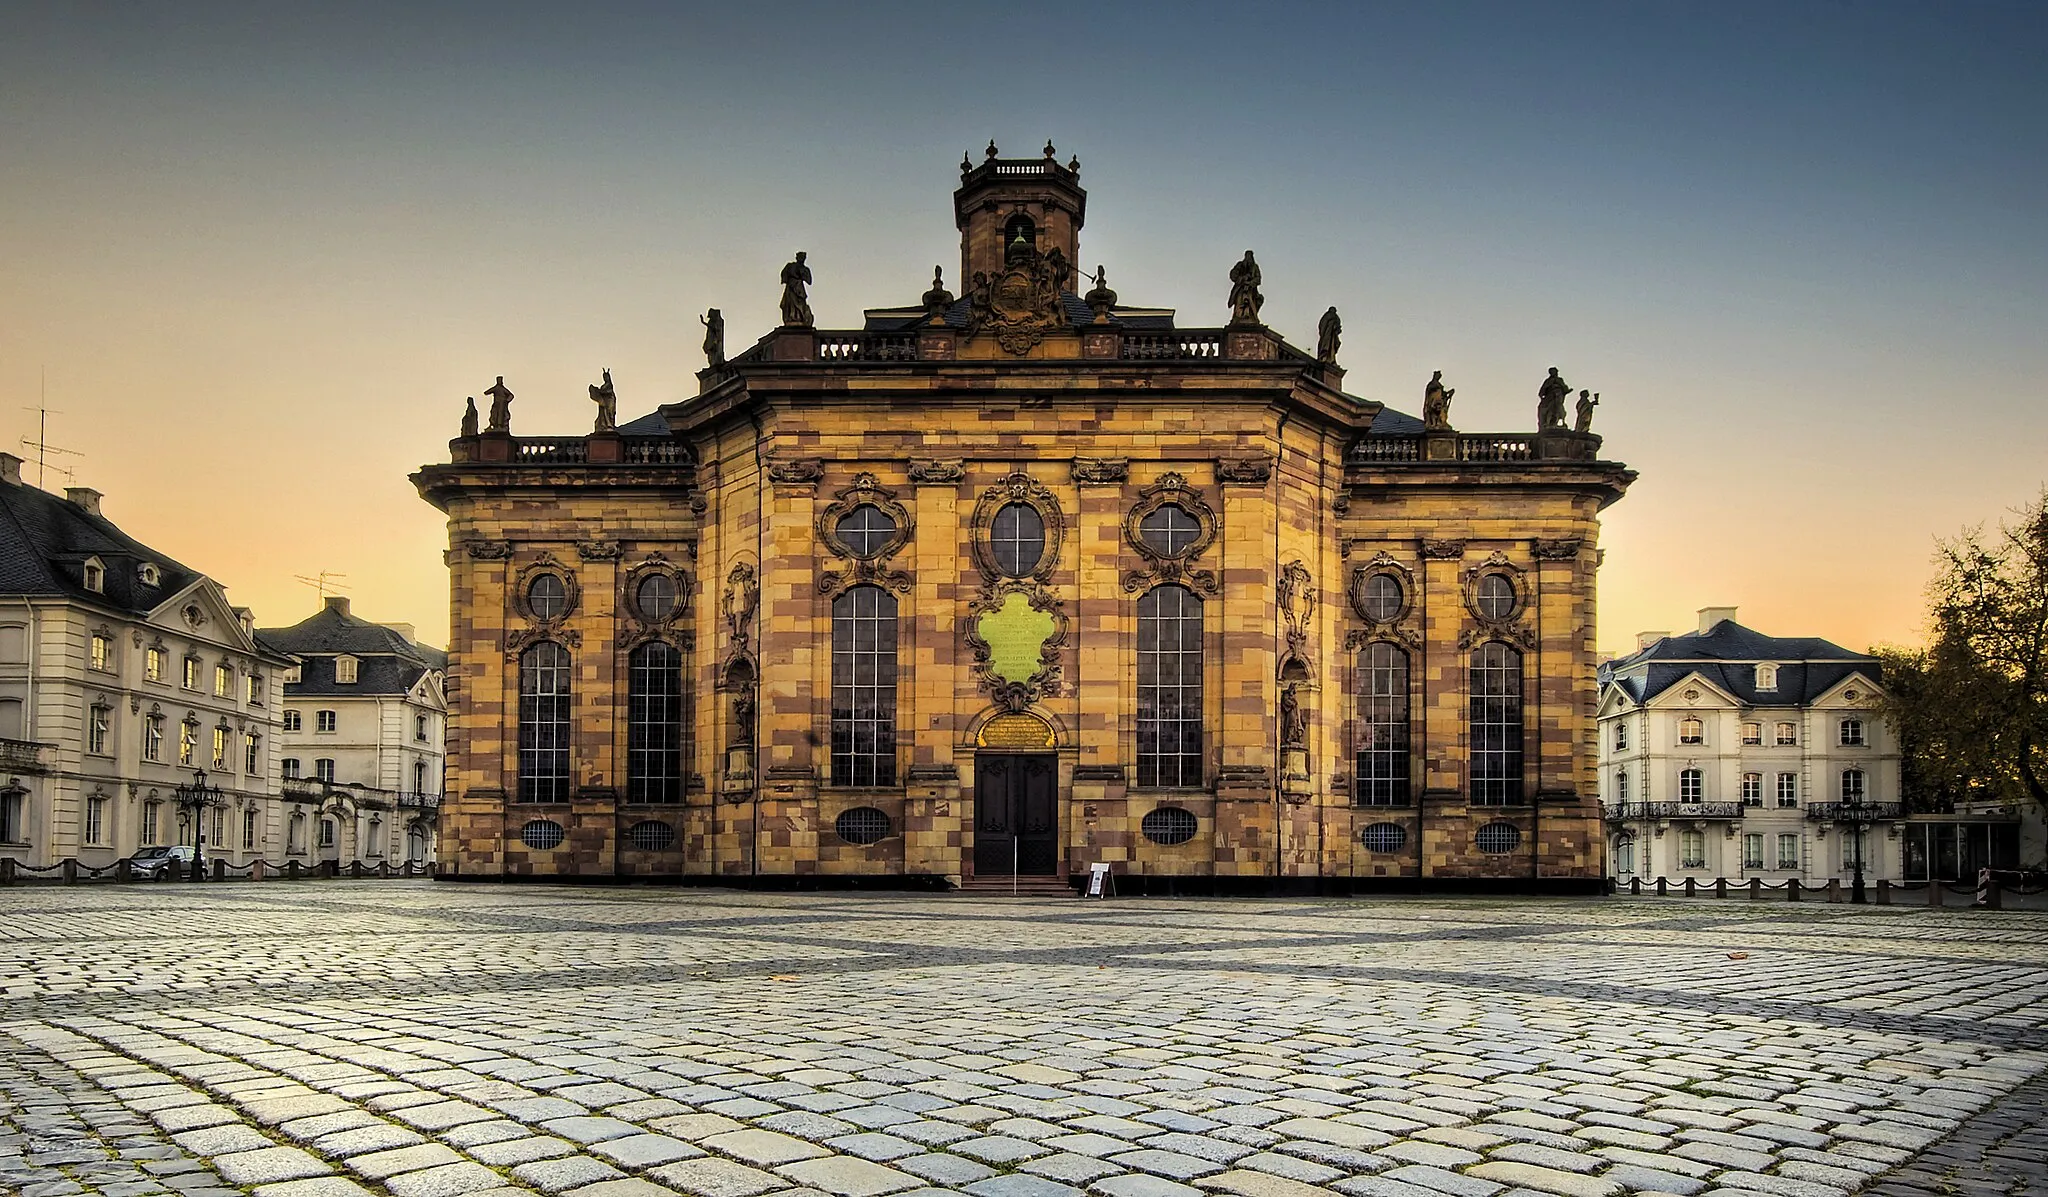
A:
1016,821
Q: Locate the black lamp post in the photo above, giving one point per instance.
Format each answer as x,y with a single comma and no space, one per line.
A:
193,802
1854,809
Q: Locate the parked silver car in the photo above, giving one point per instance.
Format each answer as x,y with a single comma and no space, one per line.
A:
150,864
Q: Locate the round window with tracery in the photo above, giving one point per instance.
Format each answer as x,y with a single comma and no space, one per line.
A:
1384,597
1496,598
865,531
1169,530
547,597
656,597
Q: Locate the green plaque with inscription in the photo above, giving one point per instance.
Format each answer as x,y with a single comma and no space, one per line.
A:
1014,632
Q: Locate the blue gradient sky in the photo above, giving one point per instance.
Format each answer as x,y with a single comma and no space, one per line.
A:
1799,248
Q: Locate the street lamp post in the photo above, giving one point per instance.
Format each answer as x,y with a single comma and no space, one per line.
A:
1856,890
194,801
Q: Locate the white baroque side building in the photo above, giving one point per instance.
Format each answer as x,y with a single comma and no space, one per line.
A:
1726,753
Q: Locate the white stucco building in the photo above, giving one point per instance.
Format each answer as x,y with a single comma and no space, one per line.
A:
363,734
1729,753
124,673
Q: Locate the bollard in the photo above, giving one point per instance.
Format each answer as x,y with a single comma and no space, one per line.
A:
220,869
1884,892
7,871
355,868
383,868
1756,889
256,869
1635,886
123,871
1989,894
1720,887
291,870
1792,889
71,872
1689,889
1834,889
1661,890
1933,890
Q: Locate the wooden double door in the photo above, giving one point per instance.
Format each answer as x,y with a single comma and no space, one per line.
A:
1016,815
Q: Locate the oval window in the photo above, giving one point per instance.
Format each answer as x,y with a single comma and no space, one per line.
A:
1384,597
1496,838
1170,530
650,835
542,834
1018,539
547,597
862,825
656,597
1383,837
1168,825
1496,597
865,531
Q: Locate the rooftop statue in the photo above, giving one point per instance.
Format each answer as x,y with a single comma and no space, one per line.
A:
1329,331
607,401
1245,299
714,337
796,294
469,418
1062,270
501,407
1100,299
1586,405
1550,399
1436,403
938,299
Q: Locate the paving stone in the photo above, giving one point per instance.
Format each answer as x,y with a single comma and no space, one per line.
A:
378,1165
318,1186
709,1176
845,1176
1069,1168
1019,1184
1544,1180
944,1169
763,1148
447,1180
522,1151
378,1136
1252,1183
644,1151
267,1165
1137,1184
563,1173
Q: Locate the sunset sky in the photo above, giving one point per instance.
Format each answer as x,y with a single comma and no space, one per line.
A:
261,254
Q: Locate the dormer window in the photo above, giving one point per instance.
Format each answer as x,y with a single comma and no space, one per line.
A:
1767,677
148,574
345,671
94,575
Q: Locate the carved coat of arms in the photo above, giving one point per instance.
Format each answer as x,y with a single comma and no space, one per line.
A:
1018,304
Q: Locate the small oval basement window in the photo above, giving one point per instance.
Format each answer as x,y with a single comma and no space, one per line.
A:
650,835
1383,837
862,825
1168,825
1496,838
542,834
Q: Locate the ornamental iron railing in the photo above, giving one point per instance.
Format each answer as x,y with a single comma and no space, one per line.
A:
1622,811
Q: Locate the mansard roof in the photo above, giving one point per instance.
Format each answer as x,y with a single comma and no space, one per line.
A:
45,541
1727,655
387,662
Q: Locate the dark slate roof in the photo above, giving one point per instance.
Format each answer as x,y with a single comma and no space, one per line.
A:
651,424
45,539
1394,423
1077,310
387,663
1727,657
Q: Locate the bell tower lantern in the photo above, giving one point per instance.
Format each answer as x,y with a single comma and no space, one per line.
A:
1011,210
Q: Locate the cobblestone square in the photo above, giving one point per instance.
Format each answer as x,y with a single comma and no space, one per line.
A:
430,1040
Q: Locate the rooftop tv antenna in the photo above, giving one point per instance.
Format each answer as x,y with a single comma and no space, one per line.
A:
41,444
322,582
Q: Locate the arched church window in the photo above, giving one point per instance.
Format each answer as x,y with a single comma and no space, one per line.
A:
1017,538
865,531
1170,688
864,687
654,724
1496,725
544,706
1170,530
1382,756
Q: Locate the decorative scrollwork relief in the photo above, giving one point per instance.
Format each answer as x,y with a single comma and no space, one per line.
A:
937,473
1442,550
1171,489
1016,488
1511,626
599,550
871,568
488,550
1009,692
1296,592
542,626
672,627
802,471
1566,549
1244,471
1101,471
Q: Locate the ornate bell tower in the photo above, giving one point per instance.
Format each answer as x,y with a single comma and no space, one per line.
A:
1011,208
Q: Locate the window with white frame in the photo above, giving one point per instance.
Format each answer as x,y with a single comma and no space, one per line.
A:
1692,850
94,575
1752,789
188,741
98,721
14,816
290,765
223,680
1767,677
1852,733
293,721
1621,785
1788,851
1852,785
252,754
419,777
345,671
220,747
153,737
1621,734
102,646
153,663
1753,850
255,690
326,833
249,827
1625,854
419,728
1752,734
1692,783
1788,790
95,829
1788,734
192,667
323,721
323,769
150,822
1691,730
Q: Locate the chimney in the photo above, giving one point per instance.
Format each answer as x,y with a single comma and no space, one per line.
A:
1646,639
403,629
1712,617
10,469
338,603
85,498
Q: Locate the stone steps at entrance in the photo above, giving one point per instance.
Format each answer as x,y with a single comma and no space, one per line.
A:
1025,887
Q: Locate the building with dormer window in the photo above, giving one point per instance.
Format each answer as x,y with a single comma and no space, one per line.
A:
122,672
1001,586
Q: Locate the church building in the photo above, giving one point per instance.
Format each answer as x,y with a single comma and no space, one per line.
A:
1002,587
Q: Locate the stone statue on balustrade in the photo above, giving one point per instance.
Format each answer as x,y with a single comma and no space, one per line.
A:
1436,404
1329,331
796,294
469,418
937,300
1586,405
1550,399
501,407
1100,299
1245,299
607,400
714,337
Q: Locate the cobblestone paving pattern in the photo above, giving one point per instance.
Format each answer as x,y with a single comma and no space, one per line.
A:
423,1040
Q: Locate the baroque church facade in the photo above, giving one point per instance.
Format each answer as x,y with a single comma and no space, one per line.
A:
1021,582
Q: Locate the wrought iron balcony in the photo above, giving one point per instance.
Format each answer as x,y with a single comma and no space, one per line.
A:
1853,812
1620,811
409,798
